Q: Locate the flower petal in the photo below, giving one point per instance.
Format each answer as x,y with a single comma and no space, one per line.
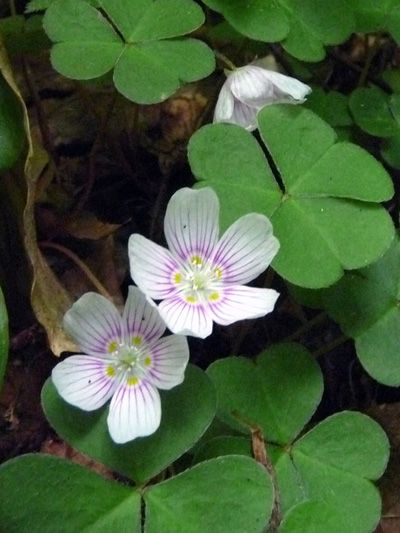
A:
85,381
152,267
170,357
186,319
257,87
239,303
246,249
191,224
135,411
252,86
288,88
140,318
224,107
245,116
94,323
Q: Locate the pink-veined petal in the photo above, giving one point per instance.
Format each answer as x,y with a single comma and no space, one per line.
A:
191,224
152,267
252,86
85,381
170,357
245,116
224,107
246,249
239,303
287,88
140,318
135,411
186,319
93,322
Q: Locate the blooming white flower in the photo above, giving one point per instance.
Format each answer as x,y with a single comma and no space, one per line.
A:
200,279
248,89
125,360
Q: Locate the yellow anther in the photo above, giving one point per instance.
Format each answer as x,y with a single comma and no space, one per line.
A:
147,361
191,299
110,371
136,340
218,273
112,347
132,380
214,296
178,277
196,260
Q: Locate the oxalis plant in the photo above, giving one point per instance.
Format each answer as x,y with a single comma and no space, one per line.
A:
282,186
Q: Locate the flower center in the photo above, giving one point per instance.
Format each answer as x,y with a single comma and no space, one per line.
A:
198,280
131,359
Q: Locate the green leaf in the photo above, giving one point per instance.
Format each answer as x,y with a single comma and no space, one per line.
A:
12,133
152,71
366,305
278,393
149,20
336,460
228,159
372,111
310,516
181,426
225,445
390,150
327,219
304,27
4,337
372,16
148,68
61,496
330,106
229,493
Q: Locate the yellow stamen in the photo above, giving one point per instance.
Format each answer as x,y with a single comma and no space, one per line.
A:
218,273
110,371
112,347
214,296
196,260
133,380
136,340
147,361
191,299
178,277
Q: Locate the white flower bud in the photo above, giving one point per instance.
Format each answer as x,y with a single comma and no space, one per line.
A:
248,89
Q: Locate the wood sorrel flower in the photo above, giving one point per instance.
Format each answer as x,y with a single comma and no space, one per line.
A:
125,360
248,89
201,279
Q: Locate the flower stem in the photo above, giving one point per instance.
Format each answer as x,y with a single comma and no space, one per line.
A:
330,346
80,264
318,319
225,60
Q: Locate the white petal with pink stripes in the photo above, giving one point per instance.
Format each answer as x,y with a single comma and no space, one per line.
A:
206,274
126,360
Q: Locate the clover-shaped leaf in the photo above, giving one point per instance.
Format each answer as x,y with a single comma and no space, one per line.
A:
61,496
372,16
303,27
141,44
230,493
366,304
333,463
142,458
378,114
327,218
4,337
249,394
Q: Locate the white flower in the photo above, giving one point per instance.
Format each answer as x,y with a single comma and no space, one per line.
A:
125,360
248,89
200,279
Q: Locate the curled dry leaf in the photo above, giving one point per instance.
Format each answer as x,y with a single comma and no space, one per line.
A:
48,298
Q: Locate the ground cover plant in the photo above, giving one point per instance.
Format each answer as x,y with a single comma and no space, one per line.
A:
200,268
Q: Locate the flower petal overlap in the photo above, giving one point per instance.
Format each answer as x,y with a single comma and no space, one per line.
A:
200,279
126,360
